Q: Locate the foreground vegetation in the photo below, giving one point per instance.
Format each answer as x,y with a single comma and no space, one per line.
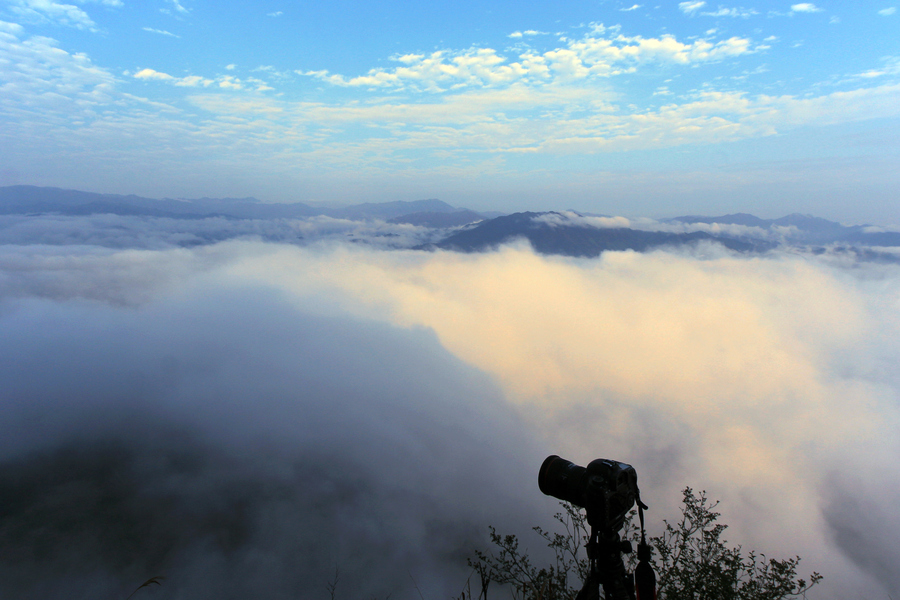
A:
691,560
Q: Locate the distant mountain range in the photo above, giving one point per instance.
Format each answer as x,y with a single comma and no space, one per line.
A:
566,233
807,228
26,199
573,234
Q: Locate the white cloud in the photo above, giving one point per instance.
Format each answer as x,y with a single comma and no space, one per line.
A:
884,12
43,11
277,13
151,74
179,7
161,32
329,398
226,82
592,55
12,28
39,75
230,67
188,81
691,6
805,7
740,12
555,121
717,373
568,219
231,83
194,81
891,67
527,32
630,8
692,357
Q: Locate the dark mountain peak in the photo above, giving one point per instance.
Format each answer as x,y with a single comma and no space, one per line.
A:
570,239
808,223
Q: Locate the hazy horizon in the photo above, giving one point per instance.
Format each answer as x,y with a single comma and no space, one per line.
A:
612,107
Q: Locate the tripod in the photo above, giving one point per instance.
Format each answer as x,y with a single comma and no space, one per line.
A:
604,552
607,569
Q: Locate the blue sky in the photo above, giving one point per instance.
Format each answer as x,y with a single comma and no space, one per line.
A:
605,106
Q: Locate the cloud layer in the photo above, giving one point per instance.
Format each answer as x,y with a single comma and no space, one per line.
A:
144,434
767,381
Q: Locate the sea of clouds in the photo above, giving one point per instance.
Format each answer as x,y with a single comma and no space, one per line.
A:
249,417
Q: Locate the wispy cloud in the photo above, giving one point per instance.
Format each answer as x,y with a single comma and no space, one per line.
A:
176,4
891,67
48,11
740,12
277,13
691,6
885,12
631,8
161,32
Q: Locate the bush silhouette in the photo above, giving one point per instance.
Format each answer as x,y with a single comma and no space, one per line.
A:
691,560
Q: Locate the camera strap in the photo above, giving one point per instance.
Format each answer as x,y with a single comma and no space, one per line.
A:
644,577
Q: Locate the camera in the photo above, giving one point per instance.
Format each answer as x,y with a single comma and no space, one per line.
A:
606,489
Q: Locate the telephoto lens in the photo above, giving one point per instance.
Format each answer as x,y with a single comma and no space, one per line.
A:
563,479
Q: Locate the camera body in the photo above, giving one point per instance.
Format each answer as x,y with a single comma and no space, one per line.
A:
606,489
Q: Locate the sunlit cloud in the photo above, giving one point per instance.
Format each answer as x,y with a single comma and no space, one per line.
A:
187,81
151,74
592,55
227,82
717,370
805,7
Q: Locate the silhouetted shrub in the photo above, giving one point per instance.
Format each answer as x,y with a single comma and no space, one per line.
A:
691,560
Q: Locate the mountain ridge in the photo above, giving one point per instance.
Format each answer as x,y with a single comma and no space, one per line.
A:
25,199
